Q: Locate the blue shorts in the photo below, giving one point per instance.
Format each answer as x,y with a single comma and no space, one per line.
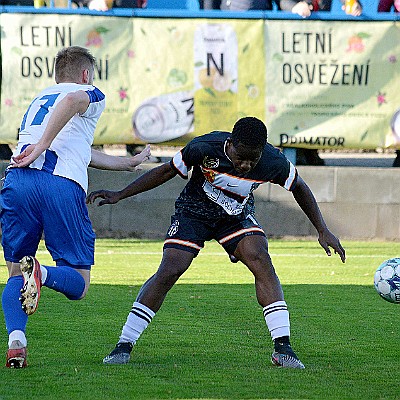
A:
35,203
189,233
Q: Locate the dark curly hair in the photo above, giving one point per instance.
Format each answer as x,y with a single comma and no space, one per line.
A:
249,131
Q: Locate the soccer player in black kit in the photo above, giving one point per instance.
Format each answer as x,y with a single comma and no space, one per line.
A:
218,203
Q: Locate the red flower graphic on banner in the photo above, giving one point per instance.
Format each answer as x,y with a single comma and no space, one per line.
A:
123,94
131,53
381,98
8,102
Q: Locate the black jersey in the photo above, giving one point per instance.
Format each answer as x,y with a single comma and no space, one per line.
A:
216,189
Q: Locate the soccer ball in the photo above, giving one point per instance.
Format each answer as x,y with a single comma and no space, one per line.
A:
387,280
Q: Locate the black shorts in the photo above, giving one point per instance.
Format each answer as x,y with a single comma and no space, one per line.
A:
189,233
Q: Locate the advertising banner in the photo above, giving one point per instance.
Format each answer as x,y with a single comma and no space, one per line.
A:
332,84
317,84
28,48
151,71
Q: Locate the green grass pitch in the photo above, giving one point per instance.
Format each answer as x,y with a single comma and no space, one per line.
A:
209,340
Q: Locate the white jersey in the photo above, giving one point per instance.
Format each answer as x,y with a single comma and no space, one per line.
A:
70,152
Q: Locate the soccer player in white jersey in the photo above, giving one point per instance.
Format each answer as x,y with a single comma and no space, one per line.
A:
218,203
44,192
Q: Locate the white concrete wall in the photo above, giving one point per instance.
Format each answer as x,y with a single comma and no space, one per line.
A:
357,203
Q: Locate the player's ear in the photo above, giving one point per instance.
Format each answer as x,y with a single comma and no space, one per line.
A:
85,76
229,147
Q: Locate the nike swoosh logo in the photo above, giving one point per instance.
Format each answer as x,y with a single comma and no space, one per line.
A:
230,185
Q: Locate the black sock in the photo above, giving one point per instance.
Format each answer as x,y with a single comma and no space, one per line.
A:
282,345
126,347
282,340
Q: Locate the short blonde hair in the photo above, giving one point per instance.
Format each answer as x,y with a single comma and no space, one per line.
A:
70,61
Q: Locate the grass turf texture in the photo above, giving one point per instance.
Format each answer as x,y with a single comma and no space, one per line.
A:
209,340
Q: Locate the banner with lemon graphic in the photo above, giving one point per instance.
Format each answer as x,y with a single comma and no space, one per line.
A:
322,84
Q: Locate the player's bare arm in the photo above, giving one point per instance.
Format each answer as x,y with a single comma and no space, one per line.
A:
149,180
101,160
306,200
70,105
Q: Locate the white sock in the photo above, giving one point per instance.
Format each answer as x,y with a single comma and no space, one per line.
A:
17,335
277,318
43,270
137,321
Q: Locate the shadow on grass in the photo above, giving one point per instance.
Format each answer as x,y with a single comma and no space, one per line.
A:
209,341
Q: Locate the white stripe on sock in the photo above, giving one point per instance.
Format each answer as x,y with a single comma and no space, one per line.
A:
137,321
277,319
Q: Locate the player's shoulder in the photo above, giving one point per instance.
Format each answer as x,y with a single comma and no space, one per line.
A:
272,150
63,88
94,93
273,155
49,90
68,87
211,139
209,145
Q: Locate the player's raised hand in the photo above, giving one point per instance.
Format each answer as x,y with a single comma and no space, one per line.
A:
108,196
145,154
327,239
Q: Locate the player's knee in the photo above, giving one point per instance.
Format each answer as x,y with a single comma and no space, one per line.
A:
169,276
259,258
73,297
13,269
260,265
76,296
